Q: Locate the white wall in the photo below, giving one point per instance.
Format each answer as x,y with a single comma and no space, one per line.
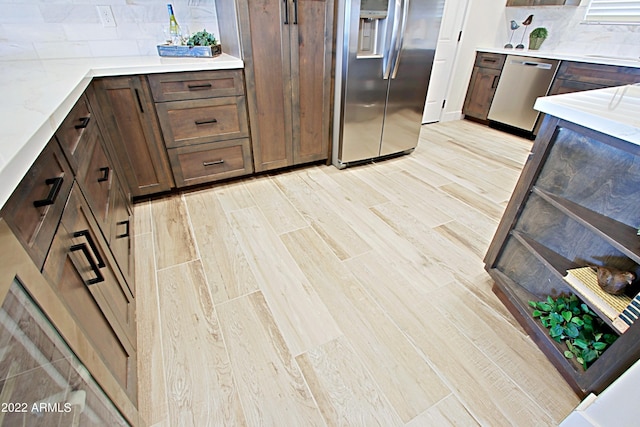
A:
32,29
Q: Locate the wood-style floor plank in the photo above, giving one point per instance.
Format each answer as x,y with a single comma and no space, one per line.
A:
301,316
152,396
343,389
201,390
173,240
225,264
448,412
142,218
413,386
270,384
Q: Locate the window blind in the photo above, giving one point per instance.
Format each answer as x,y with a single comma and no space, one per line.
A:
615,11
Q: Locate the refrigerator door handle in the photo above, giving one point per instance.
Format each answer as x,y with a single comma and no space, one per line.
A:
392,51
403,27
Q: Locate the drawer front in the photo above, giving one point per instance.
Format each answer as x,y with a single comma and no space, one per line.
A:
198,164
73,132
490,60
197,85
206,120
121,234
35,207
598,74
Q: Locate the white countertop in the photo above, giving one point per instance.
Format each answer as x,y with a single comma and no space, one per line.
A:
613,111
37,95
595,59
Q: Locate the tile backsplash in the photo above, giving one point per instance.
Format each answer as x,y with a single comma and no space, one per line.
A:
32,29
568,33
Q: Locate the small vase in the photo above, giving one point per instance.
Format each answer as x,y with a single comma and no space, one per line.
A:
535,43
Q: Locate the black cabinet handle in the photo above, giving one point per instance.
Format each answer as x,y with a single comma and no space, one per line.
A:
127,229
105,174
200,87
286,12
56,184
84,122
92,244
206,122
99,277
495,82
139,101
295,12
216,162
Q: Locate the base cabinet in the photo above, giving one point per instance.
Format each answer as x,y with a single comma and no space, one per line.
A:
87,279
576,204
483,84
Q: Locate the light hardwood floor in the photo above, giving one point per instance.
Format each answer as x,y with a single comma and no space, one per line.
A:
349,297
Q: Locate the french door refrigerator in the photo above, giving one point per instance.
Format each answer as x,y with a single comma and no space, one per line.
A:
385,52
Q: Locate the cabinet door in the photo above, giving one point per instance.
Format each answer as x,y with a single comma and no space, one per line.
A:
121,233
311,62
482,87
85,276
265,41
124,105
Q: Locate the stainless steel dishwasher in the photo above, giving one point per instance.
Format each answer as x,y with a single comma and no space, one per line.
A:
522,81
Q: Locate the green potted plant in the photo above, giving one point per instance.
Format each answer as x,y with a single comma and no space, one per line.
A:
536,38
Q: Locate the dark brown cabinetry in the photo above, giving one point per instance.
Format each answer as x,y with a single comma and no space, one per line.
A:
575,204
287,49
87,278
125,108
482,86
579,76
204,122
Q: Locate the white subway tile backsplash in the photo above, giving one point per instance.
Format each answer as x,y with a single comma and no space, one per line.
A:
32,29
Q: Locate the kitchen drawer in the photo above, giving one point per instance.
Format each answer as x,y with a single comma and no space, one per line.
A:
35,207
202,163
73,132
203,120
598,74
490,60
83,273
196,85
121,233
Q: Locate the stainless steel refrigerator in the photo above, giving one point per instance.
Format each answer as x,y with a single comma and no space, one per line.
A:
385,51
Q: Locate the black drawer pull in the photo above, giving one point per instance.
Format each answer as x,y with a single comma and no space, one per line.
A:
205,122
99,277
92,244
105,174
139,101
127,230
295,12
489,60
216,162
200,86
286,12
84,122
495,82
56,184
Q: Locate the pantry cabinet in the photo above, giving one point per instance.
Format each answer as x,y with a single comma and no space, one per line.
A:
287,49
125,107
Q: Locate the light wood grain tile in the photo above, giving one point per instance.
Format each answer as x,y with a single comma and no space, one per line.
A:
414,386
303,319
448,412
347,184
343,389
152,398
234,195
517,355
142,218
341,237
464,237
278,210
478,201
225,265
200,386
174,243
271,387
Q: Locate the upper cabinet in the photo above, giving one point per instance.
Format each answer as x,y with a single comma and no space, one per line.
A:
287,49
516,3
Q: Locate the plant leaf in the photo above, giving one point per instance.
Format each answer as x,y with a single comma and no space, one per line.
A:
578,321
536,313
567,315
556,331
568,354
581,343
599,345
572,330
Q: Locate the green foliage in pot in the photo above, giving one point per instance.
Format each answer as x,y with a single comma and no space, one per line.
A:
540,33
202,38
570,320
